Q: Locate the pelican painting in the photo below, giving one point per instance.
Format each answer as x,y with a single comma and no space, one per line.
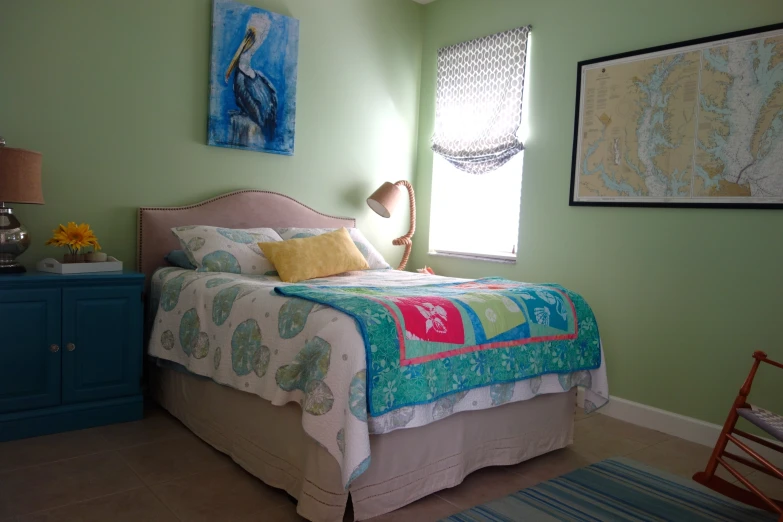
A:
253,78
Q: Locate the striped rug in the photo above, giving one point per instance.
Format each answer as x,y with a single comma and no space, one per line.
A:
614,490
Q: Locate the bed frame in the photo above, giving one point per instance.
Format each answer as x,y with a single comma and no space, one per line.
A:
269,441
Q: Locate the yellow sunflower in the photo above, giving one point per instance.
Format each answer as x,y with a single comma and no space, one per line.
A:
74,236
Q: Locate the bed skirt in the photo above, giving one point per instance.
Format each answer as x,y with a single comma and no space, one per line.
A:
408,464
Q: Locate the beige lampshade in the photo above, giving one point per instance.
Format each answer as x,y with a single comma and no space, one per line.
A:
20,176
384,200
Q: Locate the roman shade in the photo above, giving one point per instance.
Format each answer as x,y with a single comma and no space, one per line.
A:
478,108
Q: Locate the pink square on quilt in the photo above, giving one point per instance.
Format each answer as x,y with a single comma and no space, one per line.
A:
432,319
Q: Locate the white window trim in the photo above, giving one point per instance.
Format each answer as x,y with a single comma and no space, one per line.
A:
509,259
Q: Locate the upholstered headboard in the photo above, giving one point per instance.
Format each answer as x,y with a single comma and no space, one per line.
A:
241,209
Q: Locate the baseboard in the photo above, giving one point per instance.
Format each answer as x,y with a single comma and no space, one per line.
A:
68,417
677,425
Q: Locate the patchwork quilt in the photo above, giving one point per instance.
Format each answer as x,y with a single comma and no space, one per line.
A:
240,332
426,342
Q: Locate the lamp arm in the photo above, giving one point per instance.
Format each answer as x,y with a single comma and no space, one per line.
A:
406,239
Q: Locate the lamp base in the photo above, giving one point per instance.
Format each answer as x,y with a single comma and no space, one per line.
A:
12,269
14,240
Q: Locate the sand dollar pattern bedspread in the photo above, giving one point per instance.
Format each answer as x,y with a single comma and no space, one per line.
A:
236,330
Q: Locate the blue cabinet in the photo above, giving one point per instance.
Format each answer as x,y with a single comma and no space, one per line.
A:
29,349
70,351
102,336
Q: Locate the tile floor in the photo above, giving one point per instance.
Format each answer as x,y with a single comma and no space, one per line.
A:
155,470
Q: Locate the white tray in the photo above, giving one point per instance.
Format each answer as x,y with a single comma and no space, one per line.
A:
54,266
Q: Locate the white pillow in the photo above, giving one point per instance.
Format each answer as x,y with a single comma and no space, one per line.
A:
370,253
215,249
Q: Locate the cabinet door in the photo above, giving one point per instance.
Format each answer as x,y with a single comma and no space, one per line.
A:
102,350
29,349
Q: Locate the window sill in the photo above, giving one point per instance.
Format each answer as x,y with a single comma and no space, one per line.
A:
508,259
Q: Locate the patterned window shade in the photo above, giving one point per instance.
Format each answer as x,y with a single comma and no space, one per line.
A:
478,106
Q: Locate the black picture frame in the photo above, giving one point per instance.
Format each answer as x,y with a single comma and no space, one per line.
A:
657,204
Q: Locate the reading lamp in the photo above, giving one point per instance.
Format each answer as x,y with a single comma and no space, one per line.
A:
384,201
20,182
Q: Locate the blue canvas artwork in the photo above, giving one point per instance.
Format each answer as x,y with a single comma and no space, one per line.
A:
252,85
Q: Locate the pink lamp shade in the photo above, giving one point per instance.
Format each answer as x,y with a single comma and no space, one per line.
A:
20,176
386,199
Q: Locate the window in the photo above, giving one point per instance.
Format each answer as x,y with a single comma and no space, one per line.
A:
476,215
478,140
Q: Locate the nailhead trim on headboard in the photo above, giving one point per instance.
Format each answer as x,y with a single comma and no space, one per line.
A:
206,202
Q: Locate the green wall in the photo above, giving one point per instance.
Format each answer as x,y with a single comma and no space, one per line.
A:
682,296
115,95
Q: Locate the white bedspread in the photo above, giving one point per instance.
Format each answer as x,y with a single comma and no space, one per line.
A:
237,331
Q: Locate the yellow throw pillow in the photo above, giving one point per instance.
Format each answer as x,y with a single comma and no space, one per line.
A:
318,256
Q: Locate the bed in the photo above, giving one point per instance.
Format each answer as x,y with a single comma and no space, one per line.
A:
278,432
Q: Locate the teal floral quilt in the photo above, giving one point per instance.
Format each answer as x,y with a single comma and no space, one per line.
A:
426,342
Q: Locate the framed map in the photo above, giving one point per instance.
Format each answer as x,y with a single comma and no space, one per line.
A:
693,124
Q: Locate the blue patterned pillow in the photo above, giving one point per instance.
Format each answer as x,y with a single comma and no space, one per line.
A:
179,258
216,249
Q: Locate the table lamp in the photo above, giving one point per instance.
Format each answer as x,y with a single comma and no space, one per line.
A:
20,182
384,201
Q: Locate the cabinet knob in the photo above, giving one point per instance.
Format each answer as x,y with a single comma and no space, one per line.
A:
70,347
54,348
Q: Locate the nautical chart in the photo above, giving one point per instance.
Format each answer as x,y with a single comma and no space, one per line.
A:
693,124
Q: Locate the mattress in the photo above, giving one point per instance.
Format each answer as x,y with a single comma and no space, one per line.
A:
200,316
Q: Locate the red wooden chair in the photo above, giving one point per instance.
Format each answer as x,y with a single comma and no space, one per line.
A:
767,421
